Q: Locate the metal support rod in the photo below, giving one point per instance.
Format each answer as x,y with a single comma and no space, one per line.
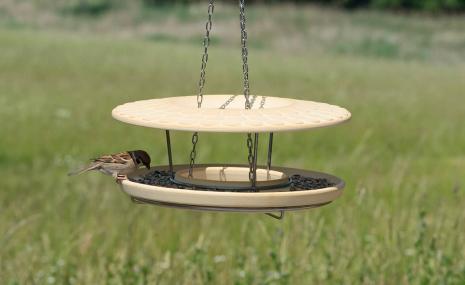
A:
255,156
270,151
170,157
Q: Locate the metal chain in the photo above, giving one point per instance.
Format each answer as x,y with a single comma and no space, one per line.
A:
262,102
250,157
245,53
245,71
230,99
245,65
195,138
206,43
254,98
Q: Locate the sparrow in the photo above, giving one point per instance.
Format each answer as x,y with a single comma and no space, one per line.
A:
117,165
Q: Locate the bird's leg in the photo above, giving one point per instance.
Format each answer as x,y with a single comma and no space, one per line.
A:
120,178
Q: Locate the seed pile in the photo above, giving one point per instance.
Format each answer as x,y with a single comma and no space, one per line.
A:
299,182
157,178
162,178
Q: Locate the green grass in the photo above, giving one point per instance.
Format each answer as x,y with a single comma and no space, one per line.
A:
400,220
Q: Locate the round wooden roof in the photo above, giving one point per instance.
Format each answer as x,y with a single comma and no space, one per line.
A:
268,114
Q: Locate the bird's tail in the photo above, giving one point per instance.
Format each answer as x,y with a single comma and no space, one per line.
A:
82,170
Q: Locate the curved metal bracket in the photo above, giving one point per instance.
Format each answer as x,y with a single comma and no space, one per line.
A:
278,217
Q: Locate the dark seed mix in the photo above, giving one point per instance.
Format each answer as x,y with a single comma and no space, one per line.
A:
299,182
157,178
163,178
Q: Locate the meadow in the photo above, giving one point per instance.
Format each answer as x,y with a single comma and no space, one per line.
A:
401,219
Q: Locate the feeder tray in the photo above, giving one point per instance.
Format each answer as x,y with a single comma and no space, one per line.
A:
275,199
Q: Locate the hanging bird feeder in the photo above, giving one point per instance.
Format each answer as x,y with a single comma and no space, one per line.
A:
230,187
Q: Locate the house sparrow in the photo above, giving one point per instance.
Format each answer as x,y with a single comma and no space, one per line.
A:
118,165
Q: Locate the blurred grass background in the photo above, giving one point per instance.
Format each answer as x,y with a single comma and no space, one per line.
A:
400,221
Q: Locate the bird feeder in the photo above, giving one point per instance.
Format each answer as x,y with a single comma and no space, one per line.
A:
231,187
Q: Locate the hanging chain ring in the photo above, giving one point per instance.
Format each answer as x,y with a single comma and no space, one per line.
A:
203,67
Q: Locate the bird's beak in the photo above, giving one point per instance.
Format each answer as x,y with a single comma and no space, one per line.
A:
147,165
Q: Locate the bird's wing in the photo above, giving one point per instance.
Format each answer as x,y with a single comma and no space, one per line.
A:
119,158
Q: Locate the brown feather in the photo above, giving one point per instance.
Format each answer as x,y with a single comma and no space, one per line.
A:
121,158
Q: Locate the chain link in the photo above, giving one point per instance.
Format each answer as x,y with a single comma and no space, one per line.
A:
206,44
